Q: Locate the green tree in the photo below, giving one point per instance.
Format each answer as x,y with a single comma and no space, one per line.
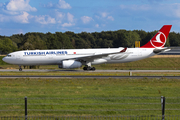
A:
131,37
63,41
120,39
18,39
80,43
174,39
32,41
7,46
52,42
104,39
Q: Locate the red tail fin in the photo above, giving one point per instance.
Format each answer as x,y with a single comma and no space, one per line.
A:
159,40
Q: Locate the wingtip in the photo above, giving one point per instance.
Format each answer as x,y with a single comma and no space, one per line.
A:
124,50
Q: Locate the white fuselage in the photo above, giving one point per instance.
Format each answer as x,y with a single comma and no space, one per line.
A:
55,57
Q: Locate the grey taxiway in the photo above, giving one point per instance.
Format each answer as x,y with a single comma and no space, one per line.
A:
56,76
60,70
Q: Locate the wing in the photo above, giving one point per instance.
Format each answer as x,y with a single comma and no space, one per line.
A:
96,56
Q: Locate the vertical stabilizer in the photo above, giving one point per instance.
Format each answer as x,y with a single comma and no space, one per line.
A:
159,40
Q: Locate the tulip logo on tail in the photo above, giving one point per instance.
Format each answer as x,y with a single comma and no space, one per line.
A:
159,41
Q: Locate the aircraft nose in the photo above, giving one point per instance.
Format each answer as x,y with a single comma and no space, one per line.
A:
4,59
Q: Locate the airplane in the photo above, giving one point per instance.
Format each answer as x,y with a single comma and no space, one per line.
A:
75,58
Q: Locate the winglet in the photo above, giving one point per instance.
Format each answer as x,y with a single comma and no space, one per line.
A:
124,50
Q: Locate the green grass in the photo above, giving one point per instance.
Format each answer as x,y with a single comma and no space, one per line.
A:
85,73
1,61
88,96
145,64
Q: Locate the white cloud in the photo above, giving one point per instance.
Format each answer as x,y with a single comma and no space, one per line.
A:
136,7
49,5
170,10
26,17
110,18
86,19
45,19
1,4
67,24
175,9
70,17
60,16
63,5
3,18
104,14
19,5
96,16
23,18
11,12
97,25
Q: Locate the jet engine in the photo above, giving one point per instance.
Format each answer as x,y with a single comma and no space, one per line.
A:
68,64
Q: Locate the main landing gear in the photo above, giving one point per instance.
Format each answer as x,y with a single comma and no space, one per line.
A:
89,68
20,69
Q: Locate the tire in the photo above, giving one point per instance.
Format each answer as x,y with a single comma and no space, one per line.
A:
84,68
93,68
88,68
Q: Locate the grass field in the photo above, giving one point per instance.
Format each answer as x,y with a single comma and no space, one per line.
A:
88,96
94,73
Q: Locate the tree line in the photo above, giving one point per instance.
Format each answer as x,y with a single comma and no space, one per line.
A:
71,40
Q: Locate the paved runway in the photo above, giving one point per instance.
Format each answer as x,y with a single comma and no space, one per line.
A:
105,77
119,77
44,70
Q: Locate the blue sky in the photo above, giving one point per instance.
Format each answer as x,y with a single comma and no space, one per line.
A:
22,16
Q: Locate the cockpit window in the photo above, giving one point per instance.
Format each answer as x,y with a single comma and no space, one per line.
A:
8,55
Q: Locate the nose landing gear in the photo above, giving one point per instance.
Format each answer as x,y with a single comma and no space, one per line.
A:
20,69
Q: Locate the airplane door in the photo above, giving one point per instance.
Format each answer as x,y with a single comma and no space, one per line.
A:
139,52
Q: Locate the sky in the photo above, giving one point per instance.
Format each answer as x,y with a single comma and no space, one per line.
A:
23,16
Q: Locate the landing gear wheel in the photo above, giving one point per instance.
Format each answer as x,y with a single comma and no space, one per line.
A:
20,69
89,68
84,68
93,68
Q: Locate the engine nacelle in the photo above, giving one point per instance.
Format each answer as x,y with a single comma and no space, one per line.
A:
68,64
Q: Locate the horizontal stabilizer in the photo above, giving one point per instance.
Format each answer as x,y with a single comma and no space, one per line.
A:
156,50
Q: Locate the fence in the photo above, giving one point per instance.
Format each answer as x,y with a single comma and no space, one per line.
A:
152,117
90,108
168,117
